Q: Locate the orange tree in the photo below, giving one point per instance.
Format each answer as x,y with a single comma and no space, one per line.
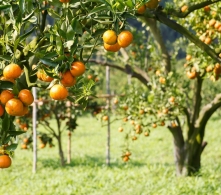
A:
181,97
54,117
59,37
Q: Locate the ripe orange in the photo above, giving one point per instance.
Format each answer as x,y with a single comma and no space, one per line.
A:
152,4
12,71
90,76
42,145
184,8
188,57
126,158
127,153
110,37
2,110
77,68
125,38
212,22
154,125
207,40
217,69
141,9
6,95
14,107
5,161
209,68
162,80
24,146
206,8
58,92
105,118
64,1
7,79
43,76
114,48
26,96
25,140
67,79
191,74
120,129
146,134
171,99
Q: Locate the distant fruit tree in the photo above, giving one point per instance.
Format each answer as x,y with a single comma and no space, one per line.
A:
54,41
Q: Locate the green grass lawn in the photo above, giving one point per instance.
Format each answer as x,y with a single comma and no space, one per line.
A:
150,170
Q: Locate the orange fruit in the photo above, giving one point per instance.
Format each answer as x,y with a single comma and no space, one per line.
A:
125,38
141,9
146,134
7,79
162,80
58,92
14,107
25,111
12,71
64,1
6,95
152,4
206,8
207,40
154,125
67,79
105,118
25,140
191,74
5,161
184,8
126,158
77,68
2,110
188,57
212,22
114,48
120,129
43,76
90,76
110,37
26,96
171,99
24,146
42,146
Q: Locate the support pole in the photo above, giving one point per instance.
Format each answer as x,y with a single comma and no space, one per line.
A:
34,119
108,122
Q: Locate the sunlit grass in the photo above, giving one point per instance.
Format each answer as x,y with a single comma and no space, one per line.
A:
150,170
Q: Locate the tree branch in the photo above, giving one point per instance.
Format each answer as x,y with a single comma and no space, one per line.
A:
161,17
139,74
152,23
192,8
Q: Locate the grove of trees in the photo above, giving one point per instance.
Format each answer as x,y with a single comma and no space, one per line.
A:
55,55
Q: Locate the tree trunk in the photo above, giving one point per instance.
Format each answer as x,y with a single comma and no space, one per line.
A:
61,153
69,148
187,154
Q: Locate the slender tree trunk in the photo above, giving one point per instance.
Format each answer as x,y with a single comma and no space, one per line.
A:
61,153
69,148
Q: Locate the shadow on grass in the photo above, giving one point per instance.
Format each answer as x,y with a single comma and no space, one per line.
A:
89,161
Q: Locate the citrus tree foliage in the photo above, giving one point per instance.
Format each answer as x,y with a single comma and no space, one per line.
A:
52,35
182,95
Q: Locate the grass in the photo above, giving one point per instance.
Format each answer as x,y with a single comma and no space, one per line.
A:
149,172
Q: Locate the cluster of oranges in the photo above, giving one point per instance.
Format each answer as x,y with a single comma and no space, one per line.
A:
126,156
14,105
67,79
152,4
113,42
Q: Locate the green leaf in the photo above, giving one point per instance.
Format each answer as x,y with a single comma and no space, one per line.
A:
12,146
28,16
97,9
22,6
48,62
15,132
6,85
77,28
5,123
5,57
53,14
4,7
21,38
